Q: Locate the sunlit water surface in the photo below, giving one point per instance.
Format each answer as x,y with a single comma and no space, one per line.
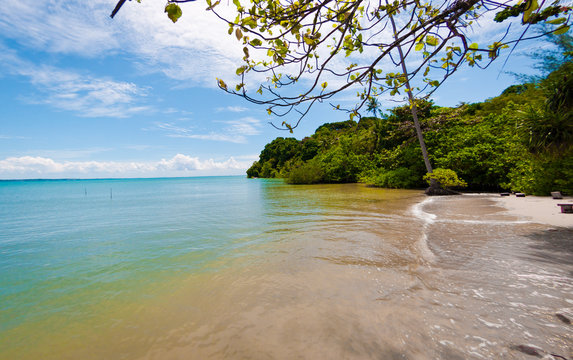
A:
231,268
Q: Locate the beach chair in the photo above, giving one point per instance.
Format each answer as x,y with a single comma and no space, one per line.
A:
556,195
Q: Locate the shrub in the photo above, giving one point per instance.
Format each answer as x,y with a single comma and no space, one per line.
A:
306,173
445,178
340,166
400,178
542,174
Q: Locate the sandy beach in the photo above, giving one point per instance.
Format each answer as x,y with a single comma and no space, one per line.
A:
538,209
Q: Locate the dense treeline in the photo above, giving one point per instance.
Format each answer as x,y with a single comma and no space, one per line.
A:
521,140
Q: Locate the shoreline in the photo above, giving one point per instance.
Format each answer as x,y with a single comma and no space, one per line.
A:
537,209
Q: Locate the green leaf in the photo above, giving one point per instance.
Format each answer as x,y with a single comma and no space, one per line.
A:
173,12
562,30
431,40
532,5
308,40
324,85
473,46
249,21
238,34
256,42
557,21
211,6
241,70
222,84
419,46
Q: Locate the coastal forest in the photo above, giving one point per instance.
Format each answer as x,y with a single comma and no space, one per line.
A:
521,140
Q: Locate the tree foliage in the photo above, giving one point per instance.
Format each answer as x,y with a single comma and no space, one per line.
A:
311,50
446,178
354,44
490,145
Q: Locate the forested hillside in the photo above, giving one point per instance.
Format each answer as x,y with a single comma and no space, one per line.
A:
521,140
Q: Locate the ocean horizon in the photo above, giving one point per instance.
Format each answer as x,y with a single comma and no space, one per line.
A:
122,178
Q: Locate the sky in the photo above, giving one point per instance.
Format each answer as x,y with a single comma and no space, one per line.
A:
86,96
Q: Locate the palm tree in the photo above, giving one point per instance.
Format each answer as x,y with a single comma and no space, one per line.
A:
373,106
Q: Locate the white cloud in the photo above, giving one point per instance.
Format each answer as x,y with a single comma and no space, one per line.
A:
235,131
86,95
232,109
193,52
179,165
237,139
174,131
70,153
247,126
11,137
196,49
186,163
81,27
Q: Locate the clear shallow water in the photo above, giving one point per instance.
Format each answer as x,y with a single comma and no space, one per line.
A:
234,268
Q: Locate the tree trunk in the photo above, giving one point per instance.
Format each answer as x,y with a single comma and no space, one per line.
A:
412,101
435,188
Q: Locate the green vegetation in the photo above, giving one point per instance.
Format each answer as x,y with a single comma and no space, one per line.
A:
521,140
446,178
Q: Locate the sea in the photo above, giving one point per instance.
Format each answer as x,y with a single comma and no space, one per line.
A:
237,268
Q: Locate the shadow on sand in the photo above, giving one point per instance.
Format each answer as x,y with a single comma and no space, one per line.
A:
553,246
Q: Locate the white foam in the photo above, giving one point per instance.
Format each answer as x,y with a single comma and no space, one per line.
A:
486,222
428,219
417,211
490,324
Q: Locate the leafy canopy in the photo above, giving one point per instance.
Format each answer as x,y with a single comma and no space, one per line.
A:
306,41
339,45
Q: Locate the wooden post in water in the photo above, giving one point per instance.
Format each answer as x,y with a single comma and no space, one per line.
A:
110,194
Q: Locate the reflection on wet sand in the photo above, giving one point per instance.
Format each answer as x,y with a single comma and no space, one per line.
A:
351,284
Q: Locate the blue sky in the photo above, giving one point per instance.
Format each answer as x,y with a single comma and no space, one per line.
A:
85,96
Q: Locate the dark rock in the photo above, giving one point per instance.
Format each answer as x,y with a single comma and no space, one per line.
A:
504,194
438,191
526,349
563,318
519,194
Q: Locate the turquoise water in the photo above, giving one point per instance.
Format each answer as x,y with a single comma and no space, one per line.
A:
92,240
236,268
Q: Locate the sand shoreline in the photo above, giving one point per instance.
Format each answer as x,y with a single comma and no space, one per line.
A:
537,209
